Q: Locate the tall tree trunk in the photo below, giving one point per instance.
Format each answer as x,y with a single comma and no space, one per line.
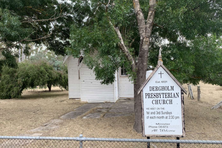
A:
140,79
49,87
145,30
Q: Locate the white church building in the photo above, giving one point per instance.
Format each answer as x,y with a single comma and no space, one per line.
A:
83,85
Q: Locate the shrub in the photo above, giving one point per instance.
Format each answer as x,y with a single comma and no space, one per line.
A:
30,75
10,85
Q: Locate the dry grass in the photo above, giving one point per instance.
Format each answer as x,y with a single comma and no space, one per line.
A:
211,94
17,116
32,110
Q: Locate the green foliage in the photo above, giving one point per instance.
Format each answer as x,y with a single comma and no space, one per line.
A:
8,60
30,75
37,21
59,73
10,26
9,85
63,78
98,41
185,25
22,22
193,61
213,68
50,57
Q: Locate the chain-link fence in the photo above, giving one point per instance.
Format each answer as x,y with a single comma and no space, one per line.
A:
82,142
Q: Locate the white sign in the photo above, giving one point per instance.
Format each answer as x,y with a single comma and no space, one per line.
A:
162,112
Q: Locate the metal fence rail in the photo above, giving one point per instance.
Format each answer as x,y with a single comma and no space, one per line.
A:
83,142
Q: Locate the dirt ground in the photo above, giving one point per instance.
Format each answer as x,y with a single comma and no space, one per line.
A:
35,108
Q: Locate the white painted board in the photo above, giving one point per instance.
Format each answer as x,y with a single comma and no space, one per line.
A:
162,113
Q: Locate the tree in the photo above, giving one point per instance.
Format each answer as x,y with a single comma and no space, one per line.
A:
63,78
37,74
9,86
7,60
38,21
49,57
56,61
114,33
30,75
213,69
130,33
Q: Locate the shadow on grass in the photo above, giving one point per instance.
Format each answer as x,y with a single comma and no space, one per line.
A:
44,94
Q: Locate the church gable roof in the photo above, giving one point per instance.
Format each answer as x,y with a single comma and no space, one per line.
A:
168,72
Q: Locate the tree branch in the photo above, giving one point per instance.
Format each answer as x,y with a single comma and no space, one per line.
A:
140,18
42,20
132,42
30,7
158,25
27,40
44,37
1,49
123,47
145,33
193,9
107,5
150,18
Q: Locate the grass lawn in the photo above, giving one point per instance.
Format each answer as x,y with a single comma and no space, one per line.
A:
35,108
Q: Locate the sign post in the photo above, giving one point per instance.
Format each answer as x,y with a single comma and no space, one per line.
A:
162,104
148,143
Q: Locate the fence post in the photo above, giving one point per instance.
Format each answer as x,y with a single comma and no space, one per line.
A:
80,141
190,92
148,143
178,144
198,92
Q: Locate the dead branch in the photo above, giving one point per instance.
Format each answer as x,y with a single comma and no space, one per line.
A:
217,105
42,20
123,47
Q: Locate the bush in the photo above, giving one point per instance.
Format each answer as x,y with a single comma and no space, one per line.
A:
10,86
63,78
30,75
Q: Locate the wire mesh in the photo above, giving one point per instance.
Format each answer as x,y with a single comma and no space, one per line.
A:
34,143
82,142
106,144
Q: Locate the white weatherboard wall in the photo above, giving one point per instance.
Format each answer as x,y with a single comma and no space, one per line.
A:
73,79
116,87
126,87
92,90
83,85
